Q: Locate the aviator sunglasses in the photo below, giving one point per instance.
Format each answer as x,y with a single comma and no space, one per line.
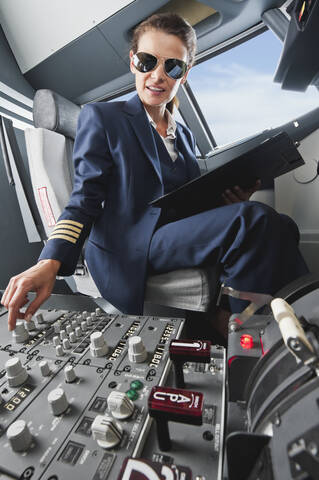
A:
145,62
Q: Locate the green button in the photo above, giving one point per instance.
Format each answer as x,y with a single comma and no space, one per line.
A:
132,394
136,385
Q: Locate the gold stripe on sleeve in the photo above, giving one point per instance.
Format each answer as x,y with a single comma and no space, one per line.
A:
71,222
66,231
69,227
63,237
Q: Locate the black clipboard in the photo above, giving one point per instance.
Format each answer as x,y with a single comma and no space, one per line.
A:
267,160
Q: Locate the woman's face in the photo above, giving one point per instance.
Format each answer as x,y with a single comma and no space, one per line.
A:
155,88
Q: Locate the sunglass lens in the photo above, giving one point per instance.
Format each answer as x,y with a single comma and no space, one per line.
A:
144,62
175,68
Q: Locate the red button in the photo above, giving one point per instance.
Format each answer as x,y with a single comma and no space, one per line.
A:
246,341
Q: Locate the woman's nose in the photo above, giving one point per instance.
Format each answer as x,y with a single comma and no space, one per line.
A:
158,72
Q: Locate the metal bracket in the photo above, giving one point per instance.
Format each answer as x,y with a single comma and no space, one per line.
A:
257,300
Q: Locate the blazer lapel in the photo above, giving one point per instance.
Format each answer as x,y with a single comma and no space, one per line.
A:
143,131
183,146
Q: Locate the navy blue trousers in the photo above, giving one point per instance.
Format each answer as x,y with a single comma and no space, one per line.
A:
256,247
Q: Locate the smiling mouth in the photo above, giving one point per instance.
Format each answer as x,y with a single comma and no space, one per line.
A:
155,89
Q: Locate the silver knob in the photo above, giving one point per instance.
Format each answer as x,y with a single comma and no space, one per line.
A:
59,351
45,368
119,405
69,374
72,337
136,350
20,334
106,431
68,329
83,326
58,401
78,332
84,314
98,346
16,374
56,340
66,344
57,327
63,334
89,321
19,436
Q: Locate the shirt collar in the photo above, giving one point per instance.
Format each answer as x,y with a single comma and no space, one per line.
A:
171,124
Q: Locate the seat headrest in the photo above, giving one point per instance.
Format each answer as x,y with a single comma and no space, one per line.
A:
53,112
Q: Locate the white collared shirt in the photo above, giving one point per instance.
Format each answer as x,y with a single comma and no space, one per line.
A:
169,140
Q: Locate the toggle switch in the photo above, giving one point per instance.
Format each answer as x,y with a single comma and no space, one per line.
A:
98,346
169,404
30,325
39,318
19,436
119,405
20,334
16,374
181,351
58,401
106,431
136,350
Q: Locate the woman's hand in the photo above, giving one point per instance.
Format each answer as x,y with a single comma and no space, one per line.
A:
40,279
237,194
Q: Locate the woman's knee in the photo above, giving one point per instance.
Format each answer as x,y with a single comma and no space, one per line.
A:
271,220
257,211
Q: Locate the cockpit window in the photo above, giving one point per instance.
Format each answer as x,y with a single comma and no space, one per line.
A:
237,95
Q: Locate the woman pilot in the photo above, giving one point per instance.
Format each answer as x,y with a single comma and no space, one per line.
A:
126,154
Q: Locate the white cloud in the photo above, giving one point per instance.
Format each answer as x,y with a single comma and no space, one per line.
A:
238,101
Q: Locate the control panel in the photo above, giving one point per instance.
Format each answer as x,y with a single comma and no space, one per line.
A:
86,394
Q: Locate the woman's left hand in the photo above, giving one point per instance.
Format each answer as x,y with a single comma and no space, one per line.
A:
237,194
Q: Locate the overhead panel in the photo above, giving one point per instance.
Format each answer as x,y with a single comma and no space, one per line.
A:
79,67
193,11
37,29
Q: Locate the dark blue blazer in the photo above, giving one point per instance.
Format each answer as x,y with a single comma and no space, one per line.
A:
117,174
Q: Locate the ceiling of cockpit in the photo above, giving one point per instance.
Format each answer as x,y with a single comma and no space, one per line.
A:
80,49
